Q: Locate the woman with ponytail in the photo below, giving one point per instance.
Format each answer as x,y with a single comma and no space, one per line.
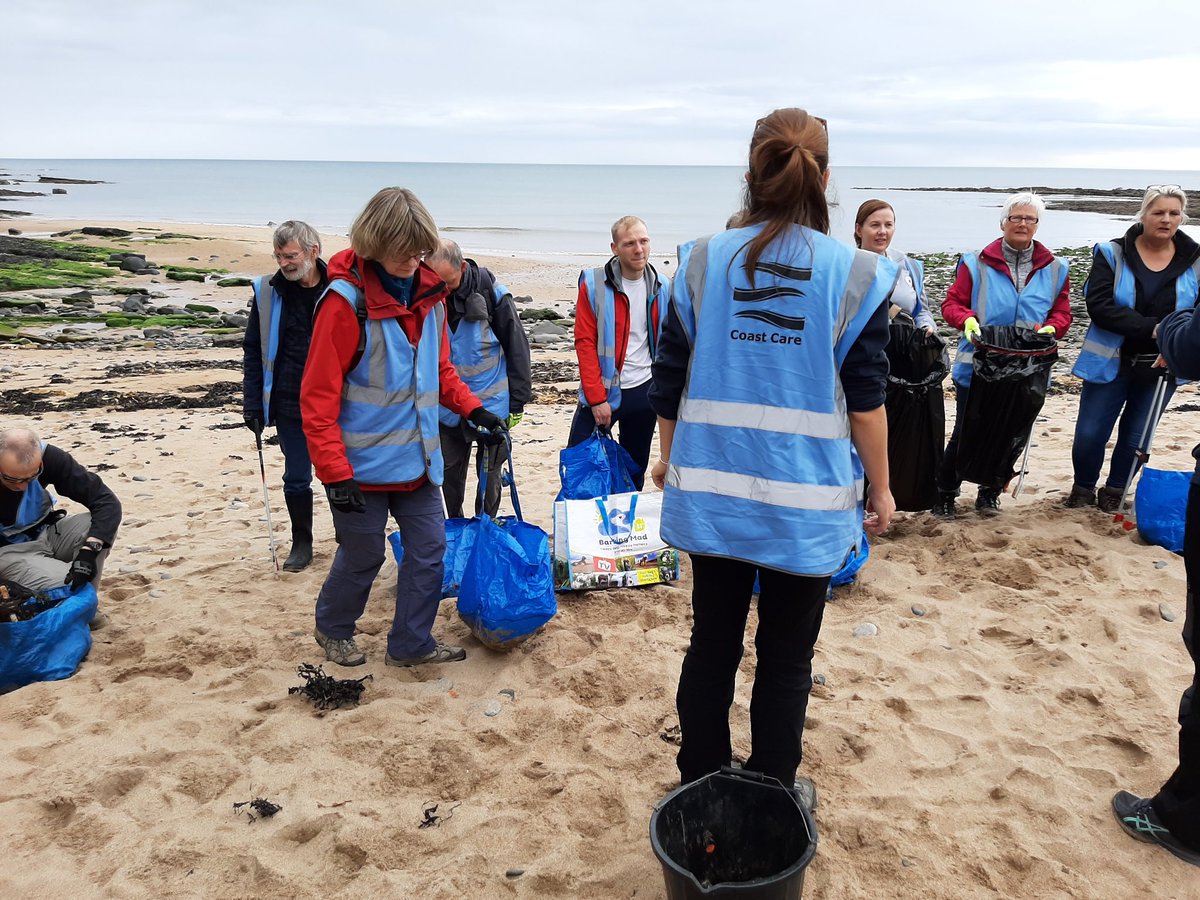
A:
769,386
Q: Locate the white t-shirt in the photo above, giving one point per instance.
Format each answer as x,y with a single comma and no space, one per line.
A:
636,369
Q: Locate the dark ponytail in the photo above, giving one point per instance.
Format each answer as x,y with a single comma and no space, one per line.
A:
789,155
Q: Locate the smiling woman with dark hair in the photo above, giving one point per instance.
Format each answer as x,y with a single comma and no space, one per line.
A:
769,386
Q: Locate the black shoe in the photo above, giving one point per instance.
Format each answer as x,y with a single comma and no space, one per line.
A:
1140,821
944,508
1080,497
299,558
987,503
1108,499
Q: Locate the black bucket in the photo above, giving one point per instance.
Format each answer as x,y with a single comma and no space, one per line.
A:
733,834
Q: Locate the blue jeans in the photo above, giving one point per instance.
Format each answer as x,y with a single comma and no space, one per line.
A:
1099,407
637,420
360,554
297,467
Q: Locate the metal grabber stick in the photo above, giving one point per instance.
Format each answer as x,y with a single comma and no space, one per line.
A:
1141,455
262,468
1028,442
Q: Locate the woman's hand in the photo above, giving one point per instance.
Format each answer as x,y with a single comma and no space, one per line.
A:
930,330
880,509
1159,363
658,473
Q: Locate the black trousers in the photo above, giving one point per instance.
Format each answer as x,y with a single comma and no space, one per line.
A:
1178,802
456,458
790,608
948,481
637,420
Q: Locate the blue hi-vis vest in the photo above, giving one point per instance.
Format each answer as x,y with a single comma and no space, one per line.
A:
270,310
479,359
35,507
916,269
762,467
389,415
604,308
996,301
1100,357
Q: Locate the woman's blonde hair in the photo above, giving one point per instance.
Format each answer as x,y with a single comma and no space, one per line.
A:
393,223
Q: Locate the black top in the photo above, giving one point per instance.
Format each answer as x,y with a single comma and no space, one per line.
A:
66,477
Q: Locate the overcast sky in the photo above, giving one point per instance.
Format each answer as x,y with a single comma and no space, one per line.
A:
1100,83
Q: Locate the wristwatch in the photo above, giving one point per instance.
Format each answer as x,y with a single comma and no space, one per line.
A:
94,544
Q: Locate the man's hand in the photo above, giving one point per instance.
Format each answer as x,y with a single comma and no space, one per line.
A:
1048,329
346,496
83,568
514,419
255,422
971,329
602,413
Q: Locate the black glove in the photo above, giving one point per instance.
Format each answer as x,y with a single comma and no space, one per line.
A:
487,420
255,422
83,568
346,496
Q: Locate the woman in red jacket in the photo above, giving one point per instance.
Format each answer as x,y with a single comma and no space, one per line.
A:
378,367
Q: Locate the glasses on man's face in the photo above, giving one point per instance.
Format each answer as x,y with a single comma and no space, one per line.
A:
12,479
1021,220
289,257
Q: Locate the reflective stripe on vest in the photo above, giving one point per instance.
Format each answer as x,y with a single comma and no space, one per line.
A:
1100,356
270,311
762,467
389,411
995,300
479,359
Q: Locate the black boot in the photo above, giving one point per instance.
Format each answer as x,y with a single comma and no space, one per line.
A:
300,510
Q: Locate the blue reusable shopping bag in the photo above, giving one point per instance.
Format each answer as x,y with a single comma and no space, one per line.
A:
596,467
1161,506
506,585
49,646
460,538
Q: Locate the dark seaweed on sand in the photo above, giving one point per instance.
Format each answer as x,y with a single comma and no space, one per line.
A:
19,604
264,808
325,691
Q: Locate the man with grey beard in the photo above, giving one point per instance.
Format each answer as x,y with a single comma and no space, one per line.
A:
274,352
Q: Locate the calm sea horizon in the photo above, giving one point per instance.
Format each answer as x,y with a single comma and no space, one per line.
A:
557,211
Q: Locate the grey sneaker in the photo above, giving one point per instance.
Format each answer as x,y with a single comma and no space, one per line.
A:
806,792
439,654
343,652
1140,821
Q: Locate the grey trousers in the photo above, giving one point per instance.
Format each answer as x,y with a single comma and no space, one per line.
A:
43,563
360,554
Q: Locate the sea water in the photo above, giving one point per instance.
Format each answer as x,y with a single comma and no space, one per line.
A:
557,211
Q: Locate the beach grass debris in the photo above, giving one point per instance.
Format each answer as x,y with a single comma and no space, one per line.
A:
325,691
431,818
260,808
19,604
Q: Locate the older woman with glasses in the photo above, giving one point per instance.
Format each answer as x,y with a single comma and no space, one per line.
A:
378,367
1135,282
1014,280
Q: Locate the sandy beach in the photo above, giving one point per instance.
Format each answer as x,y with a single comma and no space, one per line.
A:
1024,670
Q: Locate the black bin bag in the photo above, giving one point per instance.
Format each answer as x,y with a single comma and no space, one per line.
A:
1008,388
916,414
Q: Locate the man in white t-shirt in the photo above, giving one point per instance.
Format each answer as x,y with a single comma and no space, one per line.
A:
618,315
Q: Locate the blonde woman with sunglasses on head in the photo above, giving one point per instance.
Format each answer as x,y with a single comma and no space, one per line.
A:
1136,280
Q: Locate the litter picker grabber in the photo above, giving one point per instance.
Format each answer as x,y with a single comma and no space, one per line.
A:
1142,455
262,469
